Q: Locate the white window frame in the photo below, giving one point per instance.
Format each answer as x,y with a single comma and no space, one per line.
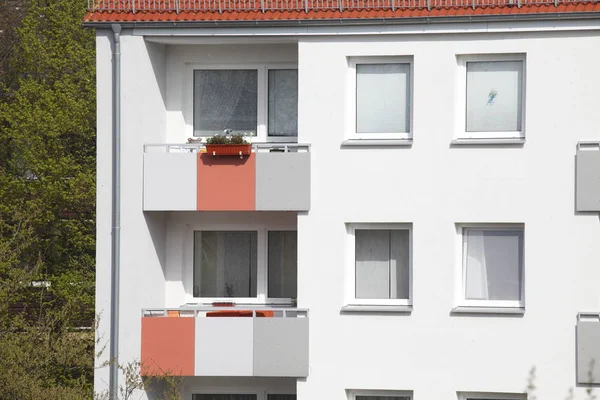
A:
262,118
260,395
461,96
352,98
353,393
492,396
350,281
262,273
460,276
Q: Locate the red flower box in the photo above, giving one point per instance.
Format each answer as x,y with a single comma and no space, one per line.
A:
229,149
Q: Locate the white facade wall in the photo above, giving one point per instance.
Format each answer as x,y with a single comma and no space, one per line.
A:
431,185
143,253
434,186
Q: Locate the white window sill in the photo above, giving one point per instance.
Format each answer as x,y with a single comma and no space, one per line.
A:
399,309
377,142
488,310
488,141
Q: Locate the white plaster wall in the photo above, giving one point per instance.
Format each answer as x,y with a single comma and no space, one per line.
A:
103,199
143,237
433,186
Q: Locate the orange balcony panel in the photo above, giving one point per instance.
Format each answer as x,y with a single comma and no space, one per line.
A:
226,183
168,346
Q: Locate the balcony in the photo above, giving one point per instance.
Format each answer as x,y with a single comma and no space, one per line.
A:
213,341
274,177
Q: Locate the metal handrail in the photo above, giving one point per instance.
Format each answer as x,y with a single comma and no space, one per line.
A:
285,147
220,6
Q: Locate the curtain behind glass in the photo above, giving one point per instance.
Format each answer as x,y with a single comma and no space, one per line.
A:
283,102
225,397
493,264
382,98
494,96
225,99
225,264
283,264
382,264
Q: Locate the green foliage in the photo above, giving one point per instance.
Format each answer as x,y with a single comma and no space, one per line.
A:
47,206
164,386
237,138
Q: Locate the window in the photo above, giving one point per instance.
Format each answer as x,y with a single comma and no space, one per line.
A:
492,266
380,264
260,101
492,396
225,397
281,397
282,264
382,101
225,99
254,265
378,395
494,101
283,102
382,398
225,264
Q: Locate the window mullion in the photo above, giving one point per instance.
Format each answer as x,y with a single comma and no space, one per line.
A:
261,272
262,93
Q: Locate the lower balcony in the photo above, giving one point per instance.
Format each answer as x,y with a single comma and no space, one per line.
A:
225,341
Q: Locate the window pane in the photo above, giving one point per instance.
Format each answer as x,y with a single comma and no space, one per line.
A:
382,264
382,398
382,98
283,264
494,96
283,102
281,397
225,397
493,264
225,264
399,268
225,99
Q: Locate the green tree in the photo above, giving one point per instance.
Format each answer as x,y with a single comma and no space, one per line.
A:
47,205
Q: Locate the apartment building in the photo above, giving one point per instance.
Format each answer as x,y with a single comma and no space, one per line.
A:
417,218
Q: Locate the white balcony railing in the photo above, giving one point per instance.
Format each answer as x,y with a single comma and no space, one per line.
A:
254,311
199,147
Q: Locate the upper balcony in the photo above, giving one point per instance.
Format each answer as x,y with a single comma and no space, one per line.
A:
217,341
185,177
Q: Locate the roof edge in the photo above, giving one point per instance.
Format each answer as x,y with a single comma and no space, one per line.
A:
573,15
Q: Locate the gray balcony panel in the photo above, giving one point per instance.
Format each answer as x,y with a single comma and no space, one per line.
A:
170,181
283,181
588,349
281,347
588,177
224,346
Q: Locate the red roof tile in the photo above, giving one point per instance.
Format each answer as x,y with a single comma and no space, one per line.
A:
121,10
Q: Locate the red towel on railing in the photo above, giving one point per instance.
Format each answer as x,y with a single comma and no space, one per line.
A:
240,313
